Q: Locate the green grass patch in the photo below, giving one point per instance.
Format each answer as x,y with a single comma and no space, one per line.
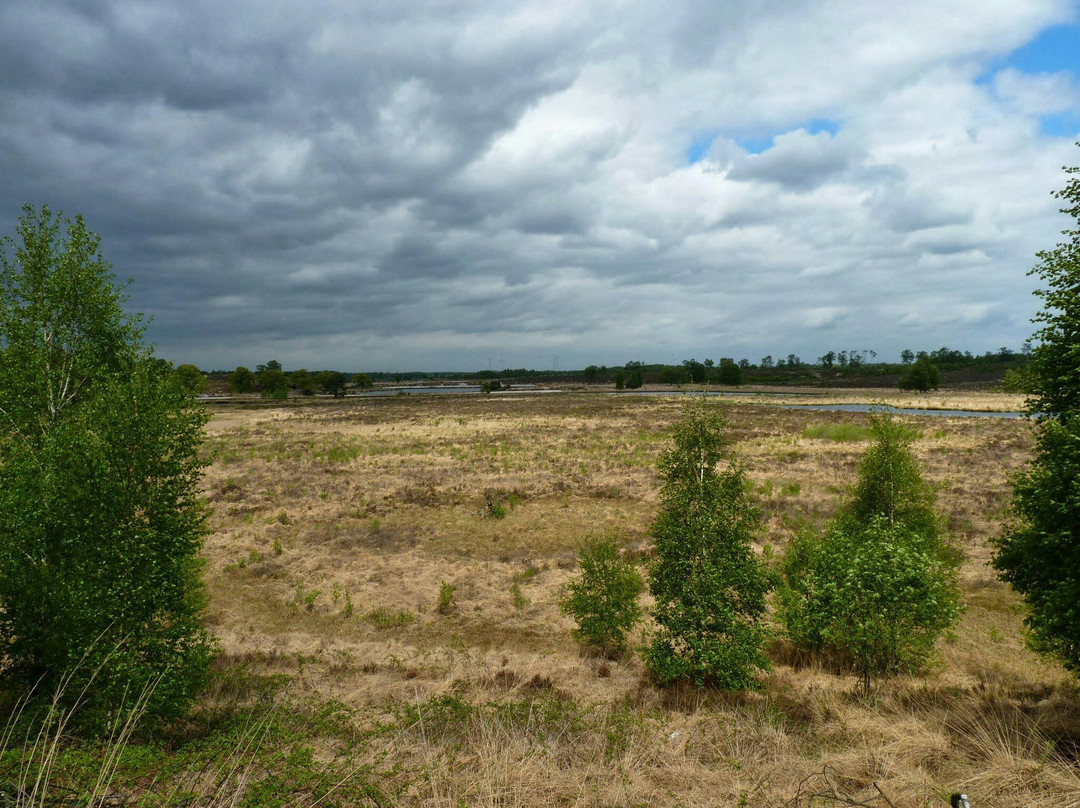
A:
837,433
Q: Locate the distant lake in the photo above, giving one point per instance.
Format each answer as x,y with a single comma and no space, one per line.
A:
900,410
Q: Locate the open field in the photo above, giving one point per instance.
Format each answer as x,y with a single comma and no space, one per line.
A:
335,523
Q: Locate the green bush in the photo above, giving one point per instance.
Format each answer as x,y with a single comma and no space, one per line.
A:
1039,554
100,517
446,598
923,376
708,585
603,598
876,597
890,484
878,588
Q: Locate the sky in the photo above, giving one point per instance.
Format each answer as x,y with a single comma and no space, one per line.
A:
474,184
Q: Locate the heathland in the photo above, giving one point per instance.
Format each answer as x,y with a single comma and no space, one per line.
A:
387,571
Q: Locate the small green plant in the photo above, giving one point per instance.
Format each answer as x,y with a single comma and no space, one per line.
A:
383,618
305,598
276,547
283,518
518,599
603,599
348,610
446,598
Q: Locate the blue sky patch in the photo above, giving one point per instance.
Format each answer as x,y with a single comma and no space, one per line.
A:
757,145
1064,124
700,146
1054,50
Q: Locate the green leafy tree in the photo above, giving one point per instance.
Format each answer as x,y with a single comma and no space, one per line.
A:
1039,553
708,585
695,370
301,381
242,380
635,375
190,378
100,519
729,372
603,599
362,381
332,382
907,356
273,383
881,585
620,379
923,376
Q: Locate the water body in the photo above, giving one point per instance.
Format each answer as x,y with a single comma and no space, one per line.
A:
900,410
749,393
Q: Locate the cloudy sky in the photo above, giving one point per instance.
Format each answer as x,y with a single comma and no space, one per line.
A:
464,184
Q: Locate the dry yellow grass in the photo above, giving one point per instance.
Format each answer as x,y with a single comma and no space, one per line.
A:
335,523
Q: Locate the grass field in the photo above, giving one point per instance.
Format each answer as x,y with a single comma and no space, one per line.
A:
335,525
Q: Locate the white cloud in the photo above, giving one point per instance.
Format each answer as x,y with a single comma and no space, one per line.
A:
405,185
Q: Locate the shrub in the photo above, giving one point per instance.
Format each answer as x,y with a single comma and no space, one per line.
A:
708,585
603,598
890,484
924,375
100,518
877,597
880,586
446,598
1039,554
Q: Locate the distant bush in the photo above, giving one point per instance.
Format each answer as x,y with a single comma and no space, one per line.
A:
603,598
190,379
729,373
924,375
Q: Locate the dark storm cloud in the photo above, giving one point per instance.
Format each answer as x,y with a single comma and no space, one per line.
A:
424,183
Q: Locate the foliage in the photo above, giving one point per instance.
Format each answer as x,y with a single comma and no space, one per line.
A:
273,383
1039,553
332,382
635,375
620,379
242,380
100,520
190,378
924,375
603,599
1017,380
881,585
729,372
446,598
695,370
890,484
708,585
362,381
877,596
302,381
490,385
